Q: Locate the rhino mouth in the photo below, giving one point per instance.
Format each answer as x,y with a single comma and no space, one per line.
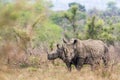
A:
52,56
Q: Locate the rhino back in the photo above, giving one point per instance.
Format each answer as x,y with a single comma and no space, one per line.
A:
94,48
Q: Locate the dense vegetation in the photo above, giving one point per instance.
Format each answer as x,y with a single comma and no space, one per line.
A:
94,24
25,25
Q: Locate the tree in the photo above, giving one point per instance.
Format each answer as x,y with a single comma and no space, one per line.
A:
112,9
74,15
117,31
70,16
95,29
111,5
26,26
80,7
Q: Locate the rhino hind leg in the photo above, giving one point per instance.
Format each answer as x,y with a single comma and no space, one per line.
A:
92,62
106,57
105,61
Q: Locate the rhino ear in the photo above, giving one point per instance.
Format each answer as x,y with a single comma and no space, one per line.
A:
75,41
58,46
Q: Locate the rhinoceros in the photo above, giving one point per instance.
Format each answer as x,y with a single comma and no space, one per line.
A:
86,52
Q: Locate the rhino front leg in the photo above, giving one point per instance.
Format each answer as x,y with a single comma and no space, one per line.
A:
68,66
78,67
79,63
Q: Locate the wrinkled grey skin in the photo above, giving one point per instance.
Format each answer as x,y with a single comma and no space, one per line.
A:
86,52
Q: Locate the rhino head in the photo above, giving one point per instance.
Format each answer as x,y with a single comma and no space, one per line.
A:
57,53
70,47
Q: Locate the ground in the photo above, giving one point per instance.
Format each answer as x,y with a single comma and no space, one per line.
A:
55,71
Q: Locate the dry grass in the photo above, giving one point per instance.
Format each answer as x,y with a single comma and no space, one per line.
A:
49,71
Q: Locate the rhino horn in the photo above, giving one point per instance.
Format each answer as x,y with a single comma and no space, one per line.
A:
64,40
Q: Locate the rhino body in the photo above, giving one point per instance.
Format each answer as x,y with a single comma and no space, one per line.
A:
86,52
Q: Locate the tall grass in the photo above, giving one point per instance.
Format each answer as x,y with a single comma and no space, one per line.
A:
57,71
